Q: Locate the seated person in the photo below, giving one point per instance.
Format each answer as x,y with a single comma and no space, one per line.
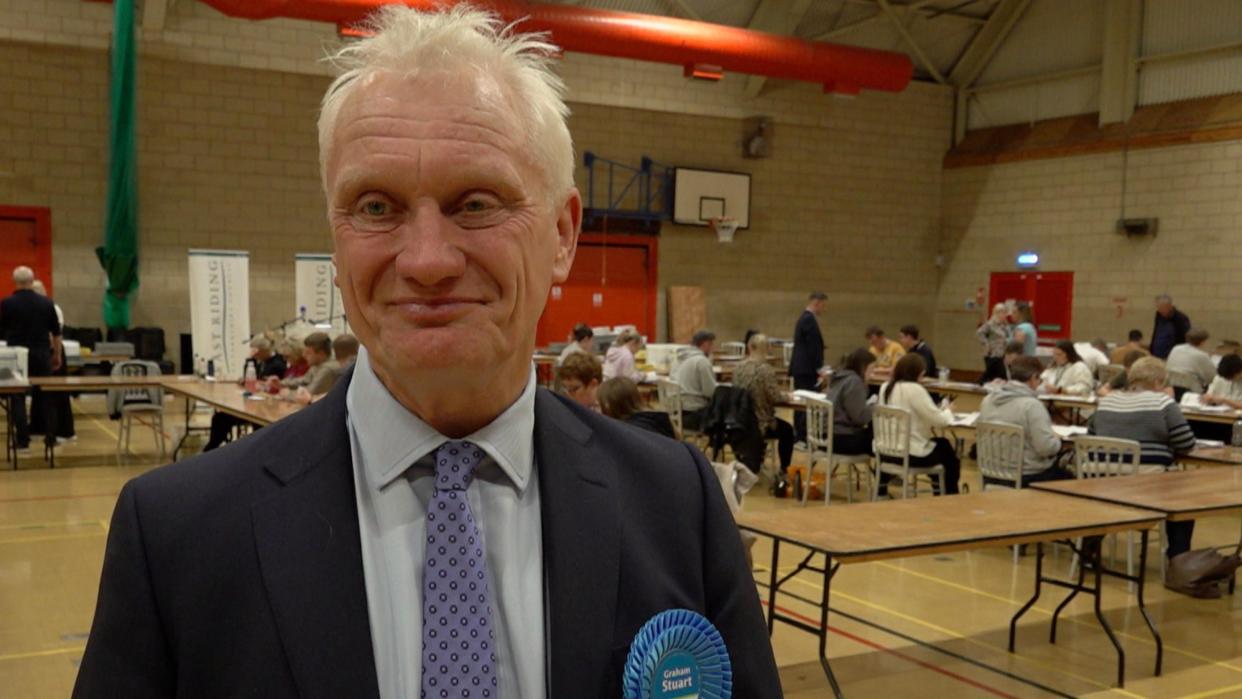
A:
267,364
1119,381
885,351
905,391
1017,403
1147,413
697,379
1068,374
581,339
1226,387
910,342
295,363
579,377
619,362
1094,354
851,413
619,399
755,374
1134,343
321,373
1013,350
1190,367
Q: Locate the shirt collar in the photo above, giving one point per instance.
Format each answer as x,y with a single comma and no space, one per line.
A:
391,438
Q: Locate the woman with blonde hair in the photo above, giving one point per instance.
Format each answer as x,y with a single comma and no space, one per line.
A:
994,335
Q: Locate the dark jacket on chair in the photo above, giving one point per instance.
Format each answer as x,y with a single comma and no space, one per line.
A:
731,420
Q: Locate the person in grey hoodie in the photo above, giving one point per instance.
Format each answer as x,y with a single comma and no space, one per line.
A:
1015,402
851,414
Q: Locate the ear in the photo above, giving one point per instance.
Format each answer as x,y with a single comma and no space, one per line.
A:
336,276
568,226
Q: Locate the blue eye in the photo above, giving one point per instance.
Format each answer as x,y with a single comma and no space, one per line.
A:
375,208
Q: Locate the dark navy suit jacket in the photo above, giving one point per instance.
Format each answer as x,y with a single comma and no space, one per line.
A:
238,573
808,351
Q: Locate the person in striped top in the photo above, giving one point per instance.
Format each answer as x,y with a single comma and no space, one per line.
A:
1145,412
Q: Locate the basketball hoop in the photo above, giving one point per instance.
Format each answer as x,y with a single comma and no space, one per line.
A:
725,228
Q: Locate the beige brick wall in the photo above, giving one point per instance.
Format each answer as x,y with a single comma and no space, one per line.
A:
849,204
1067,209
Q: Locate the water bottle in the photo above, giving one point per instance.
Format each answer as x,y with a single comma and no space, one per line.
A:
252,378
1236,438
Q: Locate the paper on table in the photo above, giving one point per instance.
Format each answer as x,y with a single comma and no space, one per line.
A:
803,393
964,419
1068,431
1208,443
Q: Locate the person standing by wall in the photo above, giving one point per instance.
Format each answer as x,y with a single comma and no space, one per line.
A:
994,335
1170,327
808,353
29,320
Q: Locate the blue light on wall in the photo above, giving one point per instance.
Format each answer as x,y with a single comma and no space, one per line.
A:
1028,259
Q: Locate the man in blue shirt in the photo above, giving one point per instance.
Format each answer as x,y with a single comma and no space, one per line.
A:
1170,327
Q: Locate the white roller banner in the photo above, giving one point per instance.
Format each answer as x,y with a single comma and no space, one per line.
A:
220,309
316,297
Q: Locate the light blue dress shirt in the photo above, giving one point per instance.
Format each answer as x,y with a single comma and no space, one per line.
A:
393,471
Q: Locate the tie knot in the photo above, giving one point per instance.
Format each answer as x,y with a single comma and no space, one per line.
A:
455,462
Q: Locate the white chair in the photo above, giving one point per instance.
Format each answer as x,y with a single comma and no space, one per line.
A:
999,447
787,352
1107,457
732,350
133,402
669,394
819,419
892,451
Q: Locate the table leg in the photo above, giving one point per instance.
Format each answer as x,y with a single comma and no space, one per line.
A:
829,572
1097,564
1039,579
186,433
49,429
10,430
1142,575
1074,589
772,586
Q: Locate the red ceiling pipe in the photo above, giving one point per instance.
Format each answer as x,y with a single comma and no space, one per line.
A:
681,42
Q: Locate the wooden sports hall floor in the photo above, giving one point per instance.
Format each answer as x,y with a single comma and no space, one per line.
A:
933,626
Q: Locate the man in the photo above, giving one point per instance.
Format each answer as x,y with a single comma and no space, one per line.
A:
305,559
580,376
323,372
1013,350
59,401
808,353
910,342
885,351
1134,343
1170,328
697,379
267,364
582,339
29,320
1190,367
1017,402
345,349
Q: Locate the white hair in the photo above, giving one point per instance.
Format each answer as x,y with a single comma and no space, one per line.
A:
23,276
463,38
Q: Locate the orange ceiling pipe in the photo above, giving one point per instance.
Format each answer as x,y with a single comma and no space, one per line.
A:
844,69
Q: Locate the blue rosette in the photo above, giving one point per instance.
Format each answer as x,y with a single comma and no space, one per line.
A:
678,653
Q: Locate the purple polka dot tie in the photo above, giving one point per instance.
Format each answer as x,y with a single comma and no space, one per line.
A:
459,646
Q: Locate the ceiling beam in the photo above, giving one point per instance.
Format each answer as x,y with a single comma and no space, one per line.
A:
976,57
1123,27
155,14
906,36
928,12
878,16
774,17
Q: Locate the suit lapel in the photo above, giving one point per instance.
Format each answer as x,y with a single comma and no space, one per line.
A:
581,548
310,556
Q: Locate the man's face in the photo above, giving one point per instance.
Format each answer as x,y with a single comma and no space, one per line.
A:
708,347
906,341
1164,308
262,354
877,341
313,356
583,394
447,240
817,306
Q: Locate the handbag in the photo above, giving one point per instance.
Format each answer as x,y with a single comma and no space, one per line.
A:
1199,573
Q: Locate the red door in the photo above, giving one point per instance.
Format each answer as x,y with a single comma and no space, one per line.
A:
25,239
613,282
1051,295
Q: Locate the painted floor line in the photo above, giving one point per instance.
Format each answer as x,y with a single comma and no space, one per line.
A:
51,537
955,635
48,498
896,653
42,653
1213,692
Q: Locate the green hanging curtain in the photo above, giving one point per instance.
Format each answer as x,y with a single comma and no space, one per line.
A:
119,253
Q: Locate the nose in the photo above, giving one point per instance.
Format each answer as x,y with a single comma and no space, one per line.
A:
429,256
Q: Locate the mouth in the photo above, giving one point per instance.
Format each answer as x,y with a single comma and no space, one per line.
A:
434,311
